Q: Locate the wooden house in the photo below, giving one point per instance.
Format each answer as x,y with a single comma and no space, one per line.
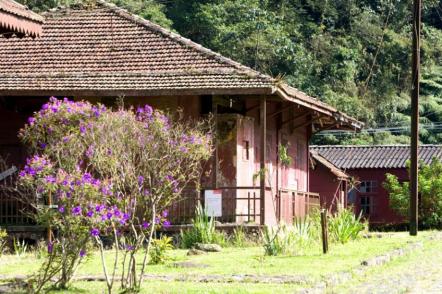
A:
367,165
329,181
102,52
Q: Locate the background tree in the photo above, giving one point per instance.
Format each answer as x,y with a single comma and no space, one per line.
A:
430,194
352,54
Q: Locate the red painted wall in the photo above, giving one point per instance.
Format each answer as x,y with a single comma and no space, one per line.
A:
325,183
381,211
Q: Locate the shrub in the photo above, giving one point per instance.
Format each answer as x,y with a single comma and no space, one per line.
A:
158,253
430,194
345,226
202,230
3,241
239,237
20,247
118,190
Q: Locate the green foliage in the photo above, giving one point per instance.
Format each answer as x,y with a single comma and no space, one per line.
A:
149,9
284,157
344,226
202,230
430,190
351,54
20,247
290,240
158,253
3,240
240,238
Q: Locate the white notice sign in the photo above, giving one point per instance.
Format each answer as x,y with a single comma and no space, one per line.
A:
213,202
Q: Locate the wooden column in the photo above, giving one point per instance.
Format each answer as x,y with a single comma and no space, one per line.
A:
215,156
263,151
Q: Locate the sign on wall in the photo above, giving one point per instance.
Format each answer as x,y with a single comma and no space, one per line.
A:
213,202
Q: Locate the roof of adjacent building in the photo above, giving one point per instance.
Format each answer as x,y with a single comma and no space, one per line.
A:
18,19
319,159
375,156
104,48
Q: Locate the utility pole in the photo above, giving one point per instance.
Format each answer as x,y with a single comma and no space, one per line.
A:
414,169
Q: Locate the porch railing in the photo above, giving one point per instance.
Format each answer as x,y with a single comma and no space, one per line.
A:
242,205
238,204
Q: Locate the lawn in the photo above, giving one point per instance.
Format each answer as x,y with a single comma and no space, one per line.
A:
233,261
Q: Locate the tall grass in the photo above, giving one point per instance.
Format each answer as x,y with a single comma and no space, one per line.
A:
202,230
344,226
295,239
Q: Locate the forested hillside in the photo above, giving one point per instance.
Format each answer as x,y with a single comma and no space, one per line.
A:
353,54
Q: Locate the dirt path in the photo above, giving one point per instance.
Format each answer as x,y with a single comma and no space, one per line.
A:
418,273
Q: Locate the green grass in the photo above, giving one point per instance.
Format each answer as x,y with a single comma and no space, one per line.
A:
404,265
186,287
249,260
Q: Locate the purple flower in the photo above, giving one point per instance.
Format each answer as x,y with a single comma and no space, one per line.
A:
140,180
90,213
50,179
145,225
165,213
42,145
76,210
117,213
130,247
166,224
99,207
31,120
87,178
109,215
22,173
61,209
82,129
50,247
95,232
82,253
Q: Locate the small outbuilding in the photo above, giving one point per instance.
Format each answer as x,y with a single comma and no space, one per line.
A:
367,166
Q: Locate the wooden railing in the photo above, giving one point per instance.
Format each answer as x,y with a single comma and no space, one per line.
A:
239,204
242,205
13,211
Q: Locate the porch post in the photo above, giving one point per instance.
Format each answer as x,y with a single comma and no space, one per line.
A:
263,122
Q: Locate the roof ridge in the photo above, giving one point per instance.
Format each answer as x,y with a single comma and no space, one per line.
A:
182,72
184,41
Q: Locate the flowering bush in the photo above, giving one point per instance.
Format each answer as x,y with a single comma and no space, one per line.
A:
111,172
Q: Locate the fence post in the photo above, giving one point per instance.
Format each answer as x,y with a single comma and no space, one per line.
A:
324,230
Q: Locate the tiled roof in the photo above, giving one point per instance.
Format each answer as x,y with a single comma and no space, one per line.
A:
377,156
319,159
17,18
104,48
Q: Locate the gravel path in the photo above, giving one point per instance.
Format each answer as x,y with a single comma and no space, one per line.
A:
419,273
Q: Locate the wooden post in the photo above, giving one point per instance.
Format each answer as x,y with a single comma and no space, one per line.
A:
324,231
414,168
215,156
262,171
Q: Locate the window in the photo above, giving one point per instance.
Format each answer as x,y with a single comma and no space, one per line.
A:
366,205
368,187
246,150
